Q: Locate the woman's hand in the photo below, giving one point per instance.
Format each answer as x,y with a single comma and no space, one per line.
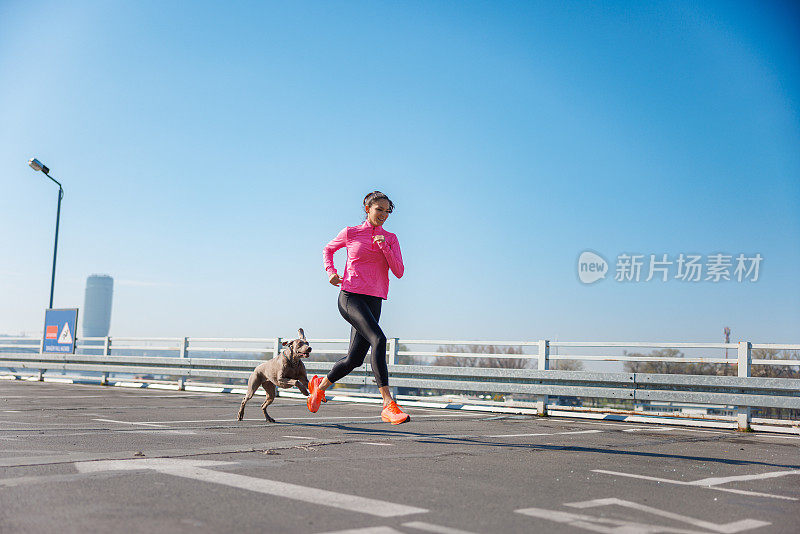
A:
378,239
334,279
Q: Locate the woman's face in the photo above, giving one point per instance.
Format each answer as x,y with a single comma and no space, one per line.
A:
377,212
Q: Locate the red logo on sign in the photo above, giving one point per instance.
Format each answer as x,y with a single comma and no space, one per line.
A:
52,332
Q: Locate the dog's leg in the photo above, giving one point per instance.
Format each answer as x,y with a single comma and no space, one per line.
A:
252,385
269,387
302,385
291,382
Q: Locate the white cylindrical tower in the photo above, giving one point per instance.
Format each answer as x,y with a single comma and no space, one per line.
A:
97,305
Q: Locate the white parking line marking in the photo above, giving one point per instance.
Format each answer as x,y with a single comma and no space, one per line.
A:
700,431
374,443
161,431
196,470
657,425
367,530
725,480
546,434
726,528
647,430
298,437
438,529
128,422
684,483
47,479
421,409
598,423
321,419
62,397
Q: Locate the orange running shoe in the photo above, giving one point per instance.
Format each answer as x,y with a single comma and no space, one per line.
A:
393,414
316,396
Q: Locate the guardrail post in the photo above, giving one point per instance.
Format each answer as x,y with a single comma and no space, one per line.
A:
745,359
392,356
184,354
278,347
544,365
41,352
106,352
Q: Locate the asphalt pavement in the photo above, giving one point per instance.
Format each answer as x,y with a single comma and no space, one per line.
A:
79,458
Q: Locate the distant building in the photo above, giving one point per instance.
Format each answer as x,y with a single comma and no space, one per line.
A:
97,305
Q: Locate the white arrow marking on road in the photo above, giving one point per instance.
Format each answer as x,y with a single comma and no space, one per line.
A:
605,525
707,486
726,528
196,470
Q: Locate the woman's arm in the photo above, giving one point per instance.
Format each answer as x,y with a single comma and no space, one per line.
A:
327,253
391,251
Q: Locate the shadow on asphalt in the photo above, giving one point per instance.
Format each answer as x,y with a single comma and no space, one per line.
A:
437,438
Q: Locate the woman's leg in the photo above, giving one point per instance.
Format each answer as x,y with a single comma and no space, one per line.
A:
379,365
378,359
354,358
362,312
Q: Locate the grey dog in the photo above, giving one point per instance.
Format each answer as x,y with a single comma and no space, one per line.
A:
284,370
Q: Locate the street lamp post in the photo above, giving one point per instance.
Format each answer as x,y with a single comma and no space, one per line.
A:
36,165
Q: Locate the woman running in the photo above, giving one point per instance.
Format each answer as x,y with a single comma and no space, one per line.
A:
371,252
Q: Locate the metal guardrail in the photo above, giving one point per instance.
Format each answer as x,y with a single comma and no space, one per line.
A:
117,355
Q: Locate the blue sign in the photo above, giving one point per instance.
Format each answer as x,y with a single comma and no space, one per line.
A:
60,327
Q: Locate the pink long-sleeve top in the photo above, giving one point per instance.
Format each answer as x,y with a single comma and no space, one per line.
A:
368,263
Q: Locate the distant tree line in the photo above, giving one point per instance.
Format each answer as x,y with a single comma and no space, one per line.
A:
721,369
716,369
449,358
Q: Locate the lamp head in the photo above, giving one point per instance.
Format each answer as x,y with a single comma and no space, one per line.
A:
36,165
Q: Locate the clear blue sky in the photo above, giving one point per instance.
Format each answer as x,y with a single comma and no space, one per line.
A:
209,150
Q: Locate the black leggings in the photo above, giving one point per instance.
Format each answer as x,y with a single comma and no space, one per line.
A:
362,312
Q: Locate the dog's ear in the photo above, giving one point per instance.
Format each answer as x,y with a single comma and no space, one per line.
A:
285,343
302,334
